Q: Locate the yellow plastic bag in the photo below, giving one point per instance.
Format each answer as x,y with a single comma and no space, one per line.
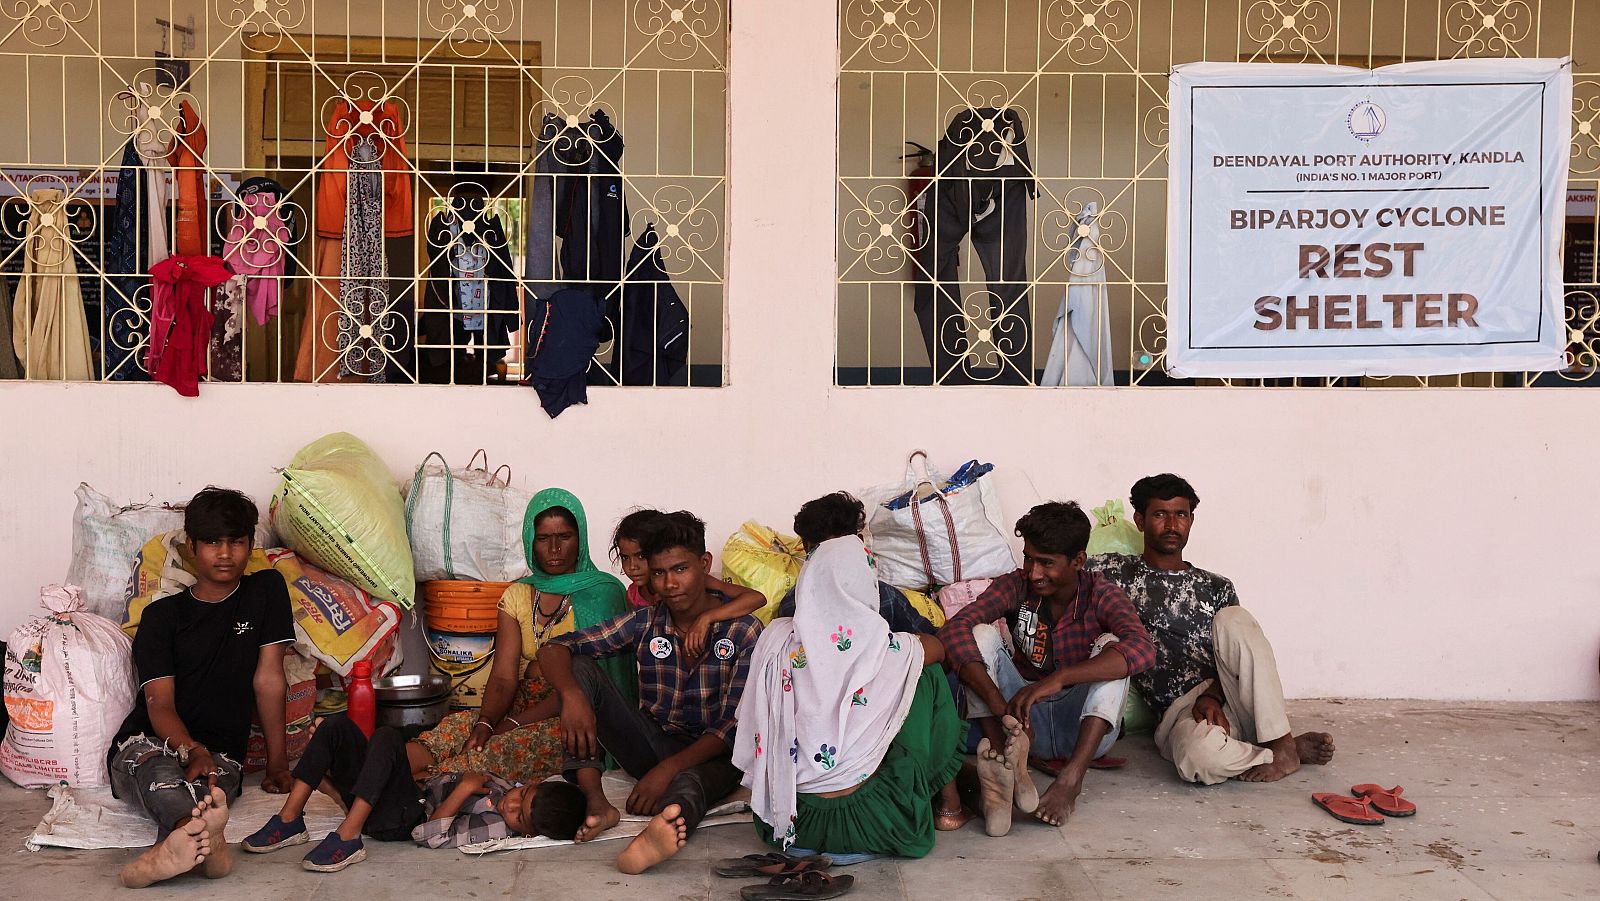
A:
926,606
768,561
340,508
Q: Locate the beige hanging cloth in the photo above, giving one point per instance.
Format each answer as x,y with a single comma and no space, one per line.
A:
48,327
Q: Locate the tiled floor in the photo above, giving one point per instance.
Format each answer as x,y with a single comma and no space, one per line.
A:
1509,797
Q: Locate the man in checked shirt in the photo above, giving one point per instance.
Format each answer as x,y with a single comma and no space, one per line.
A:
678,740
1058,694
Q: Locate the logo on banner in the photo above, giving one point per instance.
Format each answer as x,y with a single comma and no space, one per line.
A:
661,647
1366,120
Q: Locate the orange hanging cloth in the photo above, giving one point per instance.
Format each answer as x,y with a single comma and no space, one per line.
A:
194,194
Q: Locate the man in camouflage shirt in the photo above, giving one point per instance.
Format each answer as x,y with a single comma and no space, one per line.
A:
1215,683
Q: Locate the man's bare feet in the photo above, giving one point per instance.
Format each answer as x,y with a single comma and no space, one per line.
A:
1285,761
213,811
1059,801
1315,748
601,816
997,781
184,848
662,837
1024,792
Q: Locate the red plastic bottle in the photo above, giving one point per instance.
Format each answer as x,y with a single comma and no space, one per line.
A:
363,708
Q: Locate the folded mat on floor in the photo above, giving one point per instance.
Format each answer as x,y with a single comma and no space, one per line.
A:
90,818
734,809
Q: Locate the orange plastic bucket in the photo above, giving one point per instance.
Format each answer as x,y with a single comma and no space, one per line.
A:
460,607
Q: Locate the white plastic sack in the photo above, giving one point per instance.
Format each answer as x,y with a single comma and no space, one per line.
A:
945,535
465,523
106,540
69,684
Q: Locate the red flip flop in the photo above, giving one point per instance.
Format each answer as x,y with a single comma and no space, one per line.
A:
1386,801
1108,763
1357,811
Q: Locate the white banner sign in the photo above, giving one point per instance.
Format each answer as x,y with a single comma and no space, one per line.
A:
1330,221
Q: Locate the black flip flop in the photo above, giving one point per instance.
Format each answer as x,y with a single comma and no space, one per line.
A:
812,884
771,863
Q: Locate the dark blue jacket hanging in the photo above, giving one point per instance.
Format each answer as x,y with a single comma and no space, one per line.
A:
654,343
562,334
125,263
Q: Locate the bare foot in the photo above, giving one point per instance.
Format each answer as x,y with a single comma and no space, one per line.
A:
1024,792
1061,798
662,837
601,817
1285,761
1315,748
998,784
213,811
184,848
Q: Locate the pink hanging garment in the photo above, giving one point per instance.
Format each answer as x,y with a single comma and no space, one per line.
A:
257,247
180,322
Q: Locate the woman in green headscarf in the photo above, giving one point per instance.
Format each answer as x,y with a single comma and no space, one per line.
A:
515,733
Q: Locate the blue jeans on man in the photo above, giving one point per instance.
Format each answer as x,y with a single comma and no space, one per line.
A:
1056,719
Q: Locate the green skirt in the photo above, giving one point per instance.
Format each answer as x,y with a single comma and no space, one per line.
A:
891,813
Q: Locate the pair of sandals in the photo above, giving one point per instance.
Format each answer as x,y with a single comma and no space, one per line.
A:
790,878
1366,805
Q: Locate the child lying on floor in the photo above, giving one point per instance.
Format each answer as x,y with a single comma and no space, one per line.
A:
374,779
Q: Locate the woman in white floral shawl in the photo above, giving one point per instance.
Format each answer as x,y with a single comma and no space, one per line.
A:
848,735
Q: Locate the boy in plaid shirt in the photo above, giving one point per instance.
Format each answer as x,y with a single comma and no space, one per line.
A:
677,741
374,779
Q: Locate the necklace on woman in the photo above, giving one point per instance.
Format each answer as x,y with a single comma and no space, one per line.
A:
560,613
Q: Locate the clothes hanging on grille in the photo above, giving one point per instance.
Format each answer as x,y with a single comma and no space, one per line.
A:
124,326
561,336
49,328
180,321
9,367
191,228
258,244
381,124
1080,338
318,358
365,322
471,294
539,259
984,184
577,189
654,344
225,353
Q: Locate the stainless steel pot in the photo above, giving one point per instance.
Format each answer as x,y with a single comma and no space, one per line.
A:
412,700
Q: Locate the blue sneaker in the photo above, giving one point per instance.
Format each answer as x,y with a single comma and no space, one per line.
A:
334,854
277,834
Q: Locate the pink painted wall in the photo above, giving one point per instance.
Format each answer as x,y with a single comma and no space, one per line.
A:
1395,543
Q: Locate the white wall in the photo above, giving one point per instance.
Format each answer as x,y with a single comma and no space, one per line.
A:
1395,543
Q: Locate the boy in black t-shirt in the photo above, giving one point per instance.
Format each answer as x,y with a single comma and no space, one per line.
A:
206,657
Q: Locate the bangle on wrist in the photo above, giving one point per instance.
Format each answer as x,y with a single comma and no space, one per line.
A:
482,723
515,723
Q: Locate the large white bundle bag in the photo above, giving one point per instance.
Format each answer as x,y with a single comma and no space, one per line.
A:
465,523
106,539
928,531
69,684
339,507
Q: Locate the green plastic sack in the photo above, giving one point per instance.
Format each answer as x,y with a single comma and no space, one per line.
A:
1113,533
1137,717
339,507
